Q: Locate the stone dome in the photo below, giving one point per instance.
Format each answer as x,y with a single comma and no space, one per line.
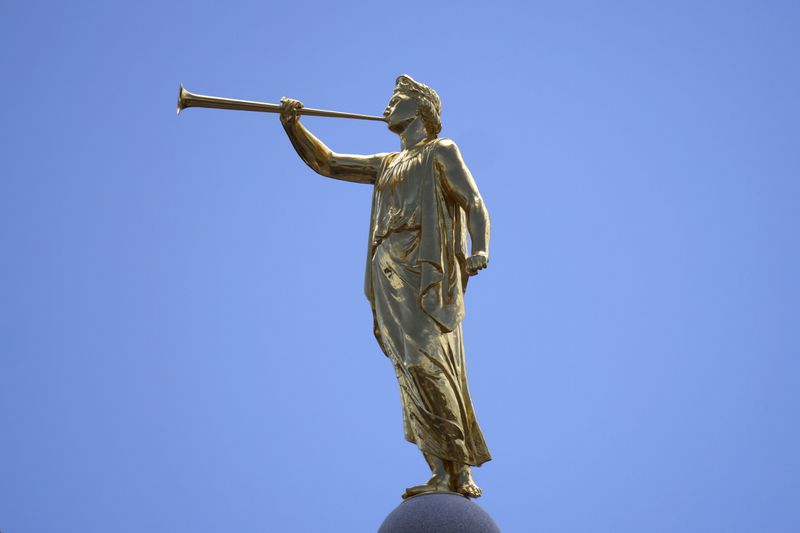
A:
438,513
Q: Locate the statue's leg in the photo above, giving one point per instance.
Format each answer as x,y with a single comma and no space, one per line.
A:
440,477
462,482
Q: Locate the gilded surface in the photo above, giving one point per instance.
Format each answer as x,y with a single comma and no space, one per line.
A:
424,202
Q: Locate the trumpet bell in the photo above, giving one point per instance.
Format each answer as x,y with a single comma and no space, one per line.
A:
182,99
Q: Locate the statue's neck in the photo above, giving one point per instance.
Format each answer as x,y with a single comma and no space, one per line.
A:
414,134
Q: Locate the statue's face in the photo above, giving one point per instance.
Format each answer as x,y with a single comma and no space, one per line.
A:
400,112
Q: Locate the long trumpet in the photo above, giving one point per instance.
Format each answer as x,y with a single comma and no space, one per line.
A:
187,99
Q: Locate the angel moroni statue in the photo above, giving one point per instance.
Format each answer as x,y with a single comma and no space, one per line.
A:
424,202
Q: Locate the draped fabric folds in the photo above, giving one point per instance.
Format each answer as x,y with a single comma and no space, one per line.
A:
415,281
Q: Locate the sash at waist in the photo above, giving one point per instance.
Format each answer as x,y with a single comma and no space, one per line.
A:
377,239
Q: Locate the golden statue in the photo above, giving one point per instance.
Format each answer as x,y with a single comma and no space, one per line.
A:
417,267
417,271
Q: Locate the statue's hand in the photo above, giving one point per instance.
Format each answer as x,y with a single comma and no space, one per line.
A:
290,111
477,262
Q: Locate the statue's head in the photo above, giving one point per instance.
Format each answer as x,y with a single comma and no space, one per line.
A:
411,99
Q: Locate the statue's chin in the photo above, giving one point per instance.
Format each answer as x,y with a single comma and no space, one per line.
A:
400,127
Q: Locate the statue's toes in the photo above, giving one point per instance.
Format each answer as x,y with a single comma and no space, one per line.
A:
470,490
413,491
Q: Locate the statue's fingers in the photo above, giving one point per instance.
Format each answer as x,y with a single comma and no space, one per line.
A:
286,107
296,109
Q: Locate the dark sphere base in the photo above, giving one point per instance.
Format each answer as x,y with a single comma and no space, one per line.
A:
439,513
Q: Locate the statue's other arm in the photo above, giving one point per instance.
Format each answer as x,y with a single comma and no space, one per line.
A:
460,184
321,159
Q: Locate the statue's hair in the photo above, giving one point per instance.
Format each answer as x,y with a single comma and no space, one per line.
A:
430,107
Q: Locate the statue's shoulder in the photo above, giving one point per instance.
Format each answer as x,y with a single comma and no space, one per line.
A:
445,149
444,144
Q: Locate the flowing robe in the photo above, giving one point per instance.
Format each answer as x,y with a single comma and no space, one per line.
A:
415,281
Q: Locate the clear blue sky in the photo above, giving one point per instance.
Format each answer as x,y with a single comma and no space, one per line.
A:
184,343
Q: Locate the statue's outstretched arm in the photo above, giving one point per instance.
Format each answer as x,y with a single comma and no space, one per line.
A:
460,184
356,168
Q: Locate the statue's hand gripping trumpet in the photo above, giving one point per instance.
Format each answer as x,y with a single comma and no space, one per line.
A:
424,202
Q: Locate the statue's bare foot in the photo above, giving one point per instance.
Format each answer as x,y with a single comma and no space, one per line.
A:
436,483
464,484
